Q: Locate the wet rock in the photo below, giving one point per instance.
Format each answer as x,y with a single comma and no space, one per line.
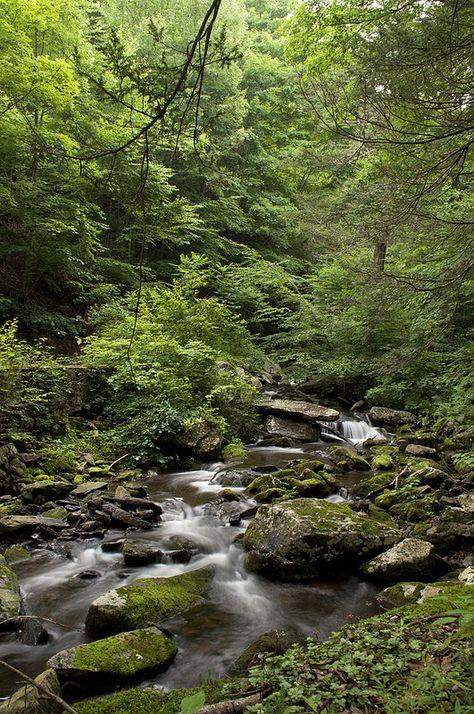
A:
123,518
400,594
138,552
147,601
228,495
181,549
113,546
296,409
116,659
10,598
85,489
374,485
306,537
89,574
15,524
292,429
29,700
32,632
412,558
347,459
274,642
421,451
230,513
382,416
16,553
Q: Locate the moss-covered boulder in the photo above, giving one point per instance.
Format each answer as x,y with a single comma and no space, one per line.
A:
117,659
412,558
10,598
16,553
373,484
408,593
306,478
146,601
303,538
41,491
347,459
30,700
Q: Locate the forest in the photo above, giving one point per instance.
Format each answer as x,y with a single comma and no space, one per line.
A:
236,356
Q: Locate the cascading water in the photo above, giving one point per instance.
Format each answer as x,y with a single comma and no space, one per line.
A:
241,605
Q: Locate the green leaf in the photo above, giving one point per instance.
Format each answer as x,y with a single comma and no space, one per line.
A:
192,704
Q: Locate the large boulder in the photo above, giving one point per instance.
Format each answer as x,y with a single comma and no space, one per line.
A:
31,700
146,601
306,537
10,598
292,429
382,416
306,478
412,558
116,659
297,410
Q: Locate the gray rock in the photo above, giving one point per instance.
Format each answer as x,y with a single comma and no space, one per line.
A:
382,416
292,428
84,489
466,501
32,632
29,700
305,537
410,559
424,452
274,642
301,410
13,524
138,552
45,491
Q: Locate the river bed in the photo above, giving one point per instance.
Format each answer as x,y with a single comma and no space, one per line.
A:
211,636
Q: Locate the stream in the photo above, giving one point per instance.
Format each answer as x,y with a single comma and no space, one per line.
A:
241,605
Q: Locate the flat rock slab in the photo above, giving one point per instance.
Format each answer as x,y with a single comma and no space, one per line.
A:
292,429
119,658
89,487
12,524
410,559
146,601
306,537
299,410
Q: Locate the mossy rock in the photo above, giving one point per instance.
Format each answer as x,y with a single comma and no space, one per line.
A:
400,594
16,553
30,700
14,505
42,491
116,659
375,483
56,512
382,462
274,642
147,701
303,538
147,601
305,478
411,558
10,598
412,511
347,459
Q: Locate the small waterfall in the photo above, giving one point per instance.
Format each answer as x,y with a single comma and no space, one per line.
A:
357,431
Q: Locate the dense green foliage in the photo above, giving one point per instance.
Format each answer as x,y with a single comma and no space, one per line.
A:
316,177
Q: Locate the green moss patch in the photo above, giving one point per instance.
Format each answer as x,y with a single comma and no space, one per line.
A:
121,656
147,601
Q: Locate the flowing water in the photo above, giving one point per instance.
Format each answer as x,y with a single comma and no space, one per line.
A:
241,605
